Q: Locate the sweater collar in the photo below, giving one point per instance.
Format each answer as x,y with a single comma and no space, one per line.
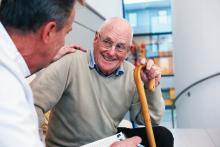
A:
92,65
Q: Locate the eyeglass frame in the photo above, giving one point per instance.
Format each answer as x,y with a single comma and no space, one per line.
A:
108,44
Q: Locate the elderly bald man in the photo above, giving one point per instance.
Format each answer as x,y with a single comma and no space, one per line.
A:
89,94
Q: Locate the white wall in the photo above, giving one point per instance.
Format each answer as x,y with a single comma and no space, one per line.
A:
200,109
196,31
85,24
90,20
107,8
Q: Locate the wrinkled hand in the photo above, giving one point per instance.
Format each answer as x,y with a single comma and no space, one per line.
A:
66,50
152,71
131,142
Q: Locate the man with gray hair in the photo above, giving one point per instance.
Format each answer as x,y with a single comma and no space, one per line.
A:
89,94
31,33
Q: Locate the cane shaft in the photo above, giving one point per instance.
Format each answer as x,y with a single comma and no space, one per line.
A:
144,104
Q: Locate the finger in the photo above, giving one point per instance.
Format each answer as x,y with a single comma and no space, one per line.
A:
77,47
150,63
74,46
144,77
143,61
72,50
131,142
157,72
136,140
154,71
66,49
157,81
82,49
157,76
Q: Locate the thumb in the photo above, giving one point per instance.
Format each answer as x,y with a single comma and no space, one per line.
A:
136,140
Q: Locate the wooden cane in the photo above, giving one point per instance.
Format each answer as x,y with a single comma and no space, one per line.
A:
144,104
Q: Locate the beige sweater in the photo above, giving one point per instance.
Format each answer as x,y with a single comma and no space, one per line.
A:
87,106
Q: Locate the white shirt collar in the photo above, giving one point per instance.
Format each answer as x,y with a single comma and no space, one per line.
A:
11,51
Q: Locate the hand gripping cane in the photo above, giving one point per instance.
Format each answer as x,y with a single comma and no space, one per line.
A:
144,105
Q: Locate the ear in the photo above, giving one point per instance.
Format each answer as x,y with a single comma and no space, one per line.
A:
127,53
126,56
132,48
96,36
49,31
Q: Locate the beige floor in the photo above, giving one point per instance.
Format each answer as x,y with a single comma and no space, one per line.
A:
196,137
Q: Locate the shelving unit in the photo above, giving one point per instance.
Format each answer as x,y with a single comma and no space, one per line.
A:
152,26
169,95
158,47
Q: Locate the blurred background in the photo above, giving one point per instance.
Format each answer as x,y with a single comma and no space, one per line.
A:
182,37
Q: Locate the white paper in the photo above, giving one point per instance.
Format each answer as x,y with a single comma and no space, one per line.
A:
106,142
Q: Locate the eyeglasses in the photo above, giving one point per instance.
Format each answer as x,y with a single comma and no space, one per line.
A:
108,44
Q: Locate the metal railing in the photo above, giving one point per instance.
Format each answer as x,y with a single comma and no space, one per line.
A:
187,89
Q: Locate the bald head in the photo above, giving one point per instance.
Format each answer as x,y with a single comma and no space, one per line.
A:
119,25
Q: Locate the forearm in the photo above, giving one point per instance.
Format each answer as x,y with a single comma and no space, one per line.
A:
156,104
